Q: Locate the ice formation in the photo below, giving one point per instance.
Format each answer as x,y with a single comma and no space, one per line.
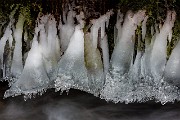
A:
41,60
5,63
34,77
118,87
75,54
71,72
93,61
66,28
17,64
171,74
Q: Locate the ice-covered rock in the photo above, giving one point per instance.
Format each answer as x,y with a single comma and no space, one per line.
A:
97,67
94,66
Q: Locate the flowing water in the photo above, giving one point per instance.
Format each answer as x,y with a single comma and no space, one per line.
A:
79,105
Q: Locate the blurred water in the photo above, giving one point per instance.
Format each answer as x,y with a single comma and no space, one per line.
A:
81,106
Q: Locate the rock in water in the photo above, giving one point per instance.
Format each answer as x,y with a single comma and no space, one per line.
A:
94,66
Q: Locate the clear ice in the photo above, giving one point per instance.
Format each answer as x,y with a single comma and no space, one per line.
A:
71,71
41,61
66,29
118,87
75,54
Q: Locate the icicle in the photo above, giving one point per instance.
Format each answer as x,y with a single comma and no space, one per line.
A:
170,36
168,91
7,36
172,69
118,87
118,27
3,40
163,91
17,65
105,50
34,77
66,30
160,43
71,72
145,66
144,27
51,46
96,25
123,50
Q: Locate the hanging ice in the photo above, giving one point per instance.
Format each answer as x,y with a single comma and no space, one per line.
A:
118,87
118,27
172,69
66,29
71,72
3,40
49,43
105,52
96,68
6,63
41,61
164,92
34,77
17,65
160,43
